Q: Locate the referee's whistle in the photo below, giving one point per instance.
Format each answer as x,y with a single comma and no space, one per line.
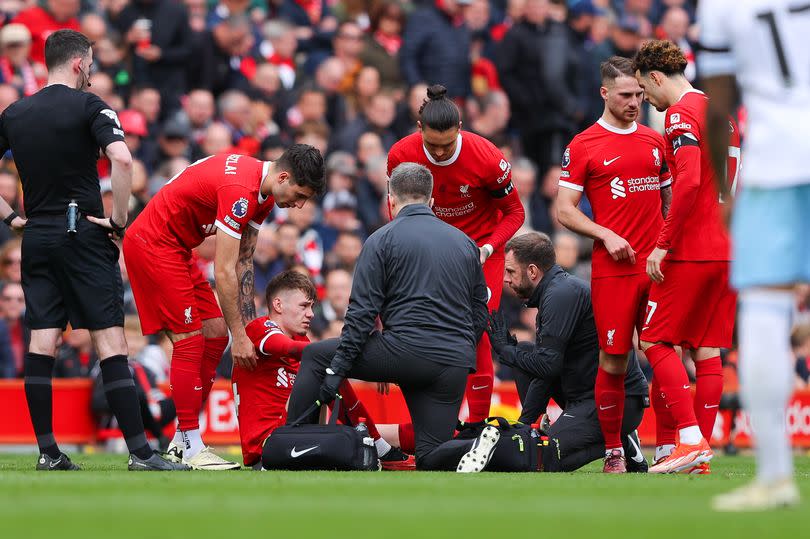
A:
72,217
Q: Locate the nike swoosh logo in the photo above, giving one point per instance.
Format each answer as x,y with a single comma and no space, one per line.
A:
295,454
607,407
568,415
687,386
476,388
356,404
712,406
638,457
197,388
55,463
606,162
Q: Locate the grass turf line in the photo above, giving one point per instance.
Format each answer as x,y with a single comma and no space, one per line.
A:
106,501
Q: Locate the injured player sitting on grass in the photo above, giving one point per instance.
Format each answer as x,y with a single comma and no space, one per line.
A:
261,394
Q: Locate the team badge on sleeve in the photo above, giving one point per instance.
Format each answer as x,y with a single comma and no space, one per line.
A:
240,208
674,118
566,160
657,157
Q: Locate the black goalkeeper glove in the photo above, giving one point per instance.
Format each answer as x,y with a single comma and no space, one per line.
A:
499,336
329,387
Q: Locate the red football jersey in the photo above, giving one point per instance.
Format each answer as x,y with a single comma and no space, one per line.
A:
221,191
621,172
274,375
693,229
470,188
42,24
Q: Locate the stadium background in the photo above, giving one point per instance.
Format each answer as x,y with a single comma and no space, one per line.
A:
251,77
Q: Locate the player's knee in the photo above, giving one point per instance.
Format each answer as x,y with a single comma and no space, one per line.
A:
613,363
214,328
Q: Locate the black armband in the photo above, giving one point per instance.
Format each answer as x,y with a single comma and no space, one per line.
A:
119,230
686,139
11,216
502,192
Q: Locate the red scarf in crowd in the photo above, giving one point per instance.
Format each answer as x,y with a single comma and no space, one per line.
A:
390,42
30,85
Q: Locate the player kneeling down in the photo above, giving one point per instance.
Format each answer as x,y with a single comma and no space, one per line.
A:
261,394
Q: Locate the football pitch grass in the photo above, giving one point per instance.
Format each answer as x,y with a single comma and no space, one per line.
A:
104,500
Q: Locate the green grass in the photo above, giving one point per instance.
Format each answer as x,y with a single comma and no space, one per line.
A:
106,501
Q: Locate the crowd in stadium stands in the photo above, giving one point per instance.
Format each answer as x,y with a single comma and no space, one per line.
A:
190,78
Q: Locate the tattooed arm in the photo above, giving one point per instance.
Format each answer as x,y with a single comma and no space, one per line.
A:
233,277
244,273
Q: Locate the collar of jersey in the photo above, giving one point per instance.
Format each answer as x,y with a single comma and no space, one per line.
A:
619,131
449,161
690,91
265,168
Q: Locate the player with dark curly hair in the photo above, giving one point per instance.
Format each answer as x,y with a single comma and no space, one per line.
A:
690,304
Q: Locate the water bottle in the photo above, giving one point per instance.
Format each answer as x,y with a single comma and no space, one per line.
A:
72,217
370,458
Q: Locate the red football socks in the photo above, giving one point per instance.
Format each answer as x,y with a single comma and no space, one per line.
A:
407,440
609,395
674,384
709,389
214,348
185,381
664,424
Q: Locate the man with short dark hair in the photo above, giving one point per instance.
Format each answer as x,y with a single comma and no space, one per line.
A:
227,195
562,362
423,278
72,275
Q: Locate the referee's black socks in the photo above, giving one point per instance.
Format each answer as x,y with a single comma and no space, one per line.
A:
119,386
38,372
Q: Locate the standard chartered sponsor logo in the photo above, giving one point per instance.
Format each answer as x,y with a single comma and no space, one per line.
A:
454,212
617,188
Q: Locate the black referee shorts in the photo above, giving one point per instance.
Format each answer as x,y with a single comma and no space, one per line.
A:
70,277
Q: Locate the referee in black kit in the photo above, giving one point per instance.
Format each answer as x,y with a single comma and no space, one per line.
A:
70,267
423,278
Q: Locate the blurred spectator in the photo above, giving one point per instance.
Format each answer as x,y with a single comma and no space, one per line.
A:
234,112
366,86
535,65
272,147
581,18
524,178
12,310
371,193
174,140
408,113
335,302
800,343
567,247
384,41
161,44
9,189
493,119
8,95
110,57
313,133
675,28
102,85
15,68
313,21
266,260
378,116
74,355
625,39
8,363
279,49
345,252
93,26
369,146
310,106
329,76
11,261
347,46
287,236
225,58
227,8
198,111
136,137
146,100
44,20
436,47
217,139
339,215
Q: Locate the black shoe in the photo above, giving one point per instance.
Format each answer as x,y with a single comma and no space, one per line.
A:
731,450
636,463
155,463
48,464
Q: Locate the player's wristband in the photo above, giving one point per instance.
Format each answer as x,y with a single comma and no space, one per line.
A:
489,249
119,230
11,216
